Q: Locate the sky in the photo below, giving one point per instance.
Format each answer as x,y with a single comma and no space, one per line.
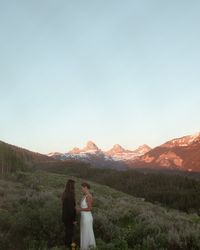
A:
110,71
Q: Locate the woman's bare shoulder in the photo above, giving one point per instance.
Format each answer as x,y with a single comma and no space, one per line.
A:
89,196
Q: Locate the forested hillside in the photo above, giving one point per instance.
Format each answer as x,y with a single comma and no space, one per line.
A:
14,158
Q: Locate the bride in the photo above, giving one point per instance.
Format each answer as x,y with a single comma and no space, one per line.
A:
87,238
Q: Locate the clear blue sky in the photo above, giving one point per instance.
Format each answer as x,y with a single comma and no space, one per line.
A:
124,72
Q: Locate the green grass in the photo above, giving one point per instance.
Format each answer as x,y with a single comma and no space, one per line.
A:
171,190
30,217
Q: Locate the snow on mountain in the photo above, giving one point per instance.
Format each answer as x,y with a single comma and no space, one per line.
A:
90,147
117,152
143,149
116,149
75,151
180,153
91,152
182,141
54,154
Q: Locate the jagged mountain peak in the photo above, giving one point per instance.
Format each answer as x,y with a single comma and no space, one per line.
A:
91,146
117,152
142,149
144,146
118,148
75,150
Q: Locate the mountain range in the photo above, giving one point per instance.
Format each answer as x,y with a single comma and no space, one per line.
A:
116,157
180,153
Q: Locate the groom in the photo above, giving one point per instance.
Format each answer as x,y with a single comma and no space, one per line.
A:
69,211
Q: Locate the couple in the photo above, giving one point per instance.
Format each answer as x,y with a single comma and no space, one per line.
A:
69,210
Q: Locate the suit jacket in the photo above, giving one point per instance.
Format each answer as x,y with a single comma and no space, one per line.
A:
68,210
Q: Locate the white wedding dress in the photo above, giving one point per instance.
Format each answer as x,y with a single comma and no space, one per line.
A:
87,239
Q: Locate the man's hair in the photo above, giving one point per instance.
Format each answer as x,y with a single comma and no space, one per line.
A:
85,184
69,190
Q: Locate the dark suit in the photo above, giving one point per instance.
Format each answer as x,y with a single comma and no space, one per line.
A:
68,217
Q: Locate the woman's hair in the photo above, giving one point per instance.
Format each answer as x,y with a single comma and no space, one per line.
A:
69,190
85,184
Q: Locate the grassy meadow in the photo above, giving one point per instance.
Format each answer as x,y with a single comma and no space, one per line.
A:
30,217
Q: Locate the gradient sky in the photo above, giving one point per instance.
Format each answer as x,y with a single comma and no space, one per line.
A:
124,72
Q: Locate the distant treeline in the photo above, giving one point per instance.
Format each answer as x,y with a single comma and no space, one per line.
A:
172,190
